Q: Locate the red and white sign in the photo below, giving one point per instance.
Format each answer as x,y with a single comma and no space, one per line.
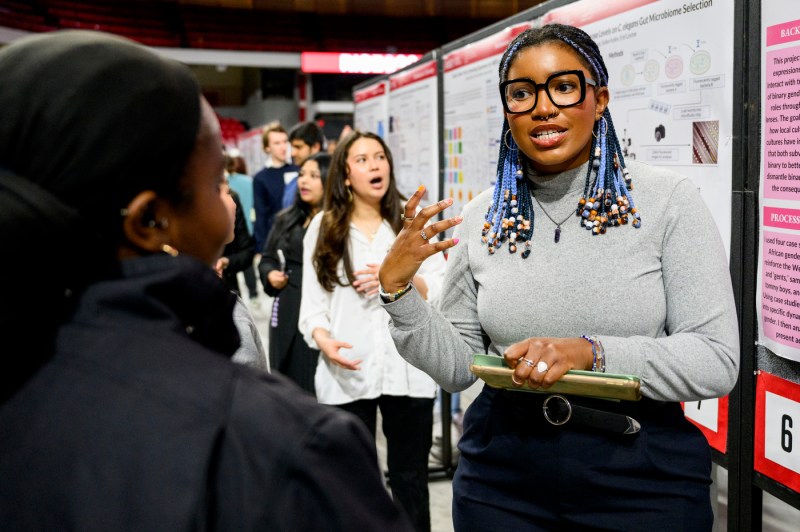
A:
777,445
711,417
345,63
425,71
373,91
588,11
488,47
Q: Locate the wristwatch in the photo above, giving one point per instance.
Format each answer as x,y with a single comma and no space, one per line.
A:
387,297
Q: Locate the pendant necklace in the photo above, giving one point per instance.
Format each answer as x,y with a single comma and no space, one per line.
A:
557,235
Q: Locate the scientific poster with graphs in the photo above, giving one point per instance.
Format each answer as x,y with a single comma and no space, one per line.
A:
473,116
413,129
779,247
371,108
670,65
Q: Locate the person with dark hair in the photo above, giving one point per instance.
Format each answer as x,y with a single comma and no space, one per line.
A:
281,269
360,370
123,409
242,185
306,139
561,273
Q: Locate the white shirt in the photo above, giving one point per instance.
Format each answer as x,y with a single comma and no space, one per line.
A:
359,320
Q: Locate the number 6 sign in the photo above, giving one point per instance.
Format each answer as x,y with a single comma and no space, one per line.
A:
777,445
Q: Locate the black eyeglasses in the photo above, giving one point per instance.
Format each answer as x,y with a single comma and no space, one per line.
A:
565,89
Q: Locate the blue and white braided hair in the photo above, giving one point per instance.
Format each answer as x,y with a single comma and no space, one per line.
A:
606,201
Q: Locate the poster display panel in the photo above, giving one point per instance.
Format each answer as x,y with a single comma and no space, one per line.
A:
371,108
778,282
670,65
473,116
413,129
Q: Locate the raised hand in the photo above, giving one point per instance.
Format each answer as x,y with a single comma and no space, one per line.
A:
412,245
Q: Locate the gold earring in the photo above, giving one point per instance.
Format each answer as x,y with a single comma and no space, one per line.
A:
349,195
169,250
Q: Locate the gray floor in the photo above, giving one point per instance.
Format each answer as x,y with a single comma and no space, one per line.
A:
777,516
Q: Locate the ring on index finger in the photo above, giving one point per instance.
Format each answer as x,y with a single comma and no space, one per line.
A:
423,235
406,218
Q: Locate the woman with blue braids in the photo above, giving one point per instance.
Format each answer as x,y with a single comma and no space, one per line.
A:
564,271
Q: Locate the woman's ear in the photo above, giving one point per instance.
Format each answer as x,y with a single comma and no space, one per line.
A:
601,98
146,223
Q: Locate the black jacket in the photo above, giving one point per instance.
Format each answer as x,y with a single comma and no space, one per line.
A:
241,250
141,422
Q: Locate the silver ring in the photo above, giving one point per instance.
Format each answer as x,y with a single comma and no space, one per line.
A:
542,366
423,235
406,218
527,361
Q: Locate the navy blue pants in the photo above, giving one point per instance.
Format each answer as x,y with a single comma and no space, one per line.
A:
518,472
408,427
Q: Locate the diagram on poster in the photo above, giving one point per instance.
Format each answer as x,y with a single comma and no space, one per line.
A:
670,68
413,134
372,108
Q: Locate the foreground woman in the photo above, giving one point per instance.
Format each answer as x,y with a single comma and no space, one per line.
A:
123,410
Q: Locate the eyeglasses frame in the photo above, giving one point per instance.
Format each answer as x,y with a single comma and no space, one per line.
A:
581,76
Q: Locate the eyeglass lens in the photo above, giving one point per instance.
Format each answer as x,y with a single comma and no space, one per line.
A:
563,89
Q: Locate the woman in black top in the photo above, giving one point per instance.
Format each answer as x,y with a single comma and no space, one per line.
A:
288,352
120,407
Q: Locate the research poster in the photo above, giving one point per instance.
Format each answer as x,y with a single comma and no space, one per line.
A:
778,292
371,108
413,129
670,65
473,116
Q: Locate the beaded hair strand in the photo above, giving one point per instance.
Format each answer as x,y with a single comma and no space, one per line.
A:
606,200
510,215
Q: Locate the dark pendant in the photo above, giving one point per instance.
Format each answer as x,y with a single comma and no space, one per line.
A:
558,234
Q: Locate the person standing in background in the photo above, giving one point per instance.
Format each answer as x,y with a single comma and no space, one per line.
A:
281,269
242,184
361,370
120,408
270,182
306,139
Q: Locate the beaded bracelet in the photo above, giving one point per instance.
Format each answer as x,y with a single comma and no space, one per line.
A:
394,296
598,354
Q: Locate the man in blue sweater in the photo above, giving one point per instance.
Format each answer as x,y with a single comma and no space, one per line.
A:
270,182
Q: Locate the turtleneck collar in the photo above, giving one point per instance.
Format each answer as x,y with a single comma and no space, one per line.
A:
569,182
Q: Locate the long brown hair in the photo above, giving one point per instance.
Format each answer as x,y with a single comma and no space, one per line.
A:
333,240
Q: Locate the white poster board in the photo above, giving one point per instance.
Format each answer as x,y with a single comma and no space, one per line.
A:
413,129
778,289
670,66
371,110
473,116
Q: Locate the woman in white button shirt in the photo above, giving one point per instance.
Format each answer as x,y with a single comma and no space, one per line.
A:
360,370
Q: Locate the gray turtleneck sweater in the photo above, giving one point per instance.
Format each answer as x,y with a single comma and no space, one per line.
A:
659,297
